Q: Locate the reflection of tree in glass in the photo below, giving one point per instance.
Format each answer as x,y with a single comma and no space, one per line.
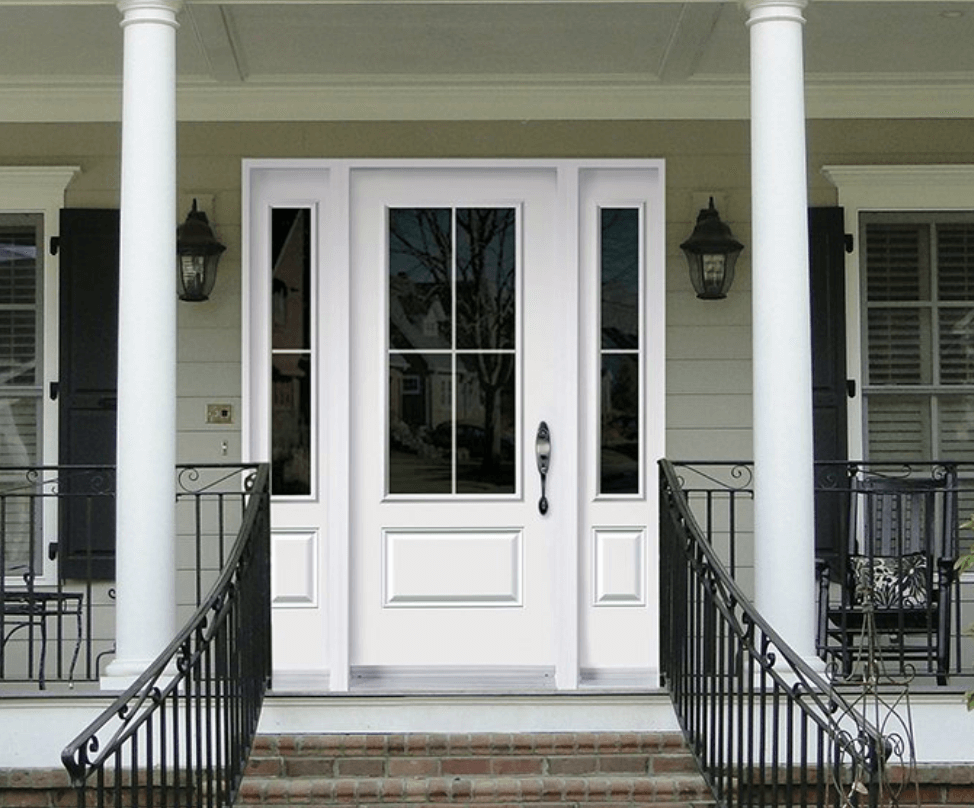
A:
484,286
620,277
420,265
486,308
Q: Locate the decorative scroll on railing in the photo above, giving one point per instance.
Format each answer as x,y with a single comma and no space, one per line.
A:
180,735
765,727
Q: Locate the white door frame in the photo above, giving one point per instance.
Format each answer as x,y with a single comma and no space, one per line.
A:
324,184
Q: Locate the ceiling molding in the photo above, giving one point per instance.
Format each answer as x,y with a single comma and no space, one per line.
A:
489,98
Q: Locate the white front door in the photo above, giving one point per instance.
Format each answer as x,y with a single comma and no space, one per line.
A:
456,359
439,314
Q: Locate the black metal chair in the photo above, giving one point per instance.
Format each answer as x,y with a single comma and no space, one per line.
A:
893,597
26,611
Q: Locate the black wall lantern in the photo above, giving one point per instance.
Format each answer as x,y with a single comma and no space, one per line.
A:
711,253
197,255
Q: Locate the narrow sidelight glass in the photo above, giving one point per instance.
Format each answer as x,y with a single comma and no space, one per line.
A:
620,267
293,365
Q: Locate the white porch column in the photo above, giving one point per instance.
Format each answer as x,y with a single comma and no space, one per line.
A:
145,607
784,514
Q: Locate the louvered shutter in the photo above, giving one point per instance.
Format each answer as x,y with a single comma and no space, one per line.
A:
88,383
826,241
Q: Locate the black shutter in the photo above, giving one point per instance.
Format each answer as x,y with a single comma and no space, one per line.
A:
829,387
88,389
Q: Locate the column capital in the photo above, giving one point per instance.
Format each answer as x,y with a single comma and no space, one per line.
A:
774,11
156,11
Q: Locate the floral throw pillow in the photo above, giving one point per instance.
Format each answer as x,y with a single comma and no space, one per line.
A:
891,582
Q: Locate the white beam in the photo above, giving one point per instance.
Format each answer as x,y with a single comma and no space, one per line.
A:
687,41
213,27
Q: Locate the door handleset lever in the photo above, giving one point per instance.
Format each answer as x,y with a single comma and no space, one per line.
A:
542,450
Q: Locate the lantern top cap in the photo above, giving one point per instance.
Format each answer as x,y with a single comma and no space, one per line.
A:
195,236
711,235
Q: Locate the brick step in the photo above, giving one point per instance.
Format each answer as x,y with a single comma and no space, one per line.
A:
633,769
618,790
434,755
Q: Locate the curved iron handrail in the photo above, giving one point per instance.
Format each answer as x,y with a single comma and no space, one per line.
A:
766,727
185,725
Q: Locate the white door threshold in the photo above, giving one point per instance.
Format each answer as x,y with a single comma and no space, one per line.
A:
467,712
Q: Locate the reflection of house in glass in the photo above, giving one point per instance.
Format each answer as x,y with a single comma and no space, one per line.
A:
451,365
292,357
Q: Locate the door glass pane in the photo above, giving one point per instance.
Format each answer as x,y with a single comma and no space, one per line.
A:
452,350
485,433
420,278
421,423
292,356
486,278
620,264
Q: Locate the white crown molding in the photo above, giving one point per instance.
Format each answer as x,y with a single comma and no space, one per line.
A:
62,100
903,187
35,187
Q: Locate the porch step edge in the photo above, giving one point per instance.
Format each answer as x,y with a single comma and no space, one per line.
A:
476,744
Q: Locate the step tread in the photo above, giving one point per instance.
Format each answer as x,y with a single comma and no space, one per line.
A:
364,745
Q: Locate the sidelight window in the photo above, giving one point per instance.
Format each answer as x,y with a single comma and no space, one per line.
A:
293,367
620,268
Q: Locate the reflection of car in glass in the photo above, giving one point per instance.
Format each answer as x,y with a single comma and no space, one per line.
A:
470,440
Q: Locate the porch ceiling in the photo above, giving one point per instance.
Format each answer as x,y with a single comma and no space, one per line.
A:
388,59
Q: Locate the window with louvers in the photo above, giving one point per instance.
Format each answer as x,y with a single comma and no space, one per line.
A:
919,323
20,369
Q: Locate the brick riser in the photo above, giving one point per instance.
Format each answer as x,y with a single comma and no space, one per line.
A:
649,769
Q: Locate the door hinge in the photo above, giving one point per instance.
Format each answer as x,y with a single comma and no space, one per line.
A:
850,388
53,390
55,244
850,242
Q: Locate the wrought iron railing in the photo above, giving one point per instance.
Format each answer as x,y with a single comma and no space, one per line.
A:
48,621
180,735
765,727
56,562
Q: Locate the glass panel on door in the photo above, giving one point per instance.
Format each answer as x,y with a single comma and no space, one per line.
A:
452,350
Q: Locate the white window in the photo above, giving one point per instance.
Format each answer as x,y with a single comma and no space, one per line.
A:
918,328
30,201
